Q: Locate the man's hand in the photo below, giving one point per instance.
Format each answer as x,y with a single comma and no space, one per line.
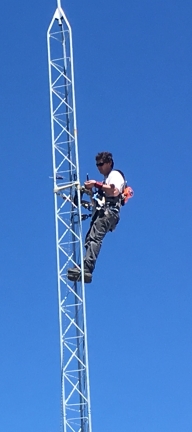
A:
89,184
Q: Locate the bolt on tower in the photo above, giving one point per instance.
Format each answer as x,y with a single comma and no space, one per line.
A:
75,390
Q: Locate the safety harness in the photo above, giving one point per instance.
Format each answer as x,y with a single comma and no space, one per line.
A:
102,200
98,199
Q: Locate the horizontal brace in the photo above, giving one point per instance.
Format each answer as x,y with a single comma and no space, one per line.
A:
67,186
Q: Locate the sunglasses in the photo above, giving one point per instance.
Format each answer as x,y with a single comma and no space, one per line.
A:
100,164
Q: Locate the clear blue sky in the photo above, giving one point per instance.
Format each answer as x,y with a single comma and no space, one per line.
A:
133,69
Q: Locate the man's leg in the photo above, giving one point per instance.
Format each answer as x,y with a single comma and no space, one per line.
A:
104,222
74,273
99,227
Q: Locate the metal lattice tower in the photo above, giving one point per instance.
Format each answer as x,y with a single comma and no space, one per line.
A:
75,390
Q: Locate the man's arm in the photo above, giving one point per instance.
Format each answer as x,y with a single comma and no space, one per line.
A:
110,190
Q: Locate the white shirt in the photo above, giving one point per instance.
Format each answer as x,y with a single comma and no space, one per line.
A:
116,179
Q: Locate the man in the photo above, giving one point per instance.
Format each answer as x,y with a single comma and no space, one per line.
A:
105,217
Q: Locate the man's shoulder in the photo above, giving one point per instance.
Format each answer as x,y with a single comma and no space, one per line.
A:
117,173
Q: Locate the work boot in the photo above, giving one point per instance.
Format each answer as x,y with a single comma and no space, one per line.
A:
74,274
87,276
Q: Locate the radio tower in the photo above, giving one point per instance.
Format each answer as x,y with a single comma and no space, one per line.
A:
75,390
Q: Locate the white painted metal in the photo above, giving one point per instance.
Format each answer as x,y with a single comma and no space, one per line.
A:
75,389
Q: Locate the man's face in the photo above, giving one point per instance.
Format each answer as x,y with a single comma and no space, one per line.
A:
103,167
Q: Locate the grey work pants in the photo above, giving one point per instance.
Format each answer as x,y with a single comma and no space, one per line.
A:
101,224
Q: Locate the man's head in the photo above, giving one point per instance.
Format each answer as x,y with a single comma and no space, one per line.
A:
104,162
